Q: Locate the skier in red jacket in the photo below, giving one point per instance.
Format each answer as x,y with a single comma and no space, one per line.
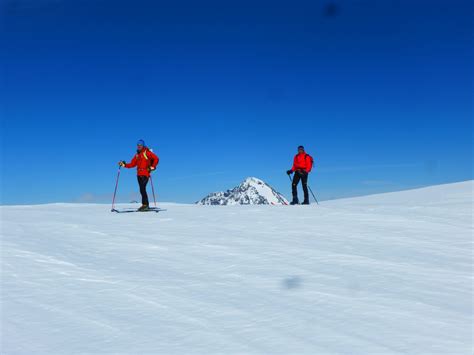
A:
302,166
145,161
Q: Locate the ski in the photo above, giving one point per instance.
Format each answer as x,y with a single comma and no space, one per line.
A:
151,209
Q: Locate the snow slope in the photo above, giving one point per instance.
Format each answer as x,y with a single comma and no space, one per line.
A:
251,191
381,274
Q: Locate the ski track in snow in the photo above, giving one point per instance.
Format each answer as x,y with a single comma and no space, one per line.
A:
383,274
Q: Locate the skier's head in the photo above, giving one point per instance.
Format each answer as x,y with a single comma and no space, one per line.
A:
140,144
300,149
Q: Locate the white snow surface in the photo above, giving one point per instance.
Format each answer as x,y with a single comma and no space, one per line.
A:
382,274
252,191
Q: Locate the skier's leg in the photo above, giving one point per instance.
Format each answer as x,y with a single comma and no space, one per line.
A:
145,195
143,181
294,188
304,181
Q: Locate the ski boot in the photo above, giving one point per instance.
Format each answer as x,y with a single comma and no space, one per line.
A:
143,208
295,202
305,202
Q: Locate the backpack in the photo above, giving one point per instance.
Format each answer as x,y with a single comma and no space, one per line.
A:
310,157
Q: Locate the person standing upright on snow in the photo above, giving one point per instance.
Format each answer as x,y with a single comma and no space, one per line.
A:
302,165
145,161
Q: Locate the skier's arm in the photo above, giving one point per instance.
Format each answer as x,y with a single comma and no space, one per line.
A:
133,163
293,169
156,160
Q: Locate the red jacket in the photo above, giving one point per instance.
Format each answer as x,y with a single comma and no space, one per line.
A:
302,161
143,160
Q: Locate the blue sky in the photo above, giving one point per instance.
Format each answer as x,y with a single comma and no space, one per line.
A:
380,93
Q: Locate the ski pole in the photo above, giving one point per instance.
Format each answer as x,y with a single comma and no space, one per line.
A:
153,190
115,191
313,195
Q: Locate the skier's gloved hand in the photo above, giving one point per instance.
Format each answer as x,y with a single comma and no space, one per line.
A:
151,168
289,172
122,163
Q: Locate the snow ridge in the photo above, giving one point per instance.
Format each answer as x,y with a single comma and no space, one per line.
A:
252,191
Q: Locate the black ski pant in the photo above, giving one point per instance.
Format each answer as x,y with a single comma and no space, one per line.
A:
303,177
142,182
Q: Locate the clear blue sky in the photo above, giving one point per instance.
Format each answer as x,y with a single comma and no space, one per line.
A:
380,93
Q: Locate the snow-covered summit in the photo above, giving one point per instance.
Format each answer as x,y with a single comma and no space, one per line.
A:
252,191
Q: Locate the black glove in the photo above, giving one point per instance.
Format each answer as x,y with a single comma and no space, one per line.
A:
289,172
151,168
122,163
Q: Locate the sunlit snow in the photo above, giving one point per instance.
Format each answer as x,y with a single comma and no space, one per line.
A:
388,273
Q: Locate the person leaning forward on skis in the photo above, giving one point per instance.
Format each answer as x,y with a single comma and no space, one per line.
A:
302,165
145,161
